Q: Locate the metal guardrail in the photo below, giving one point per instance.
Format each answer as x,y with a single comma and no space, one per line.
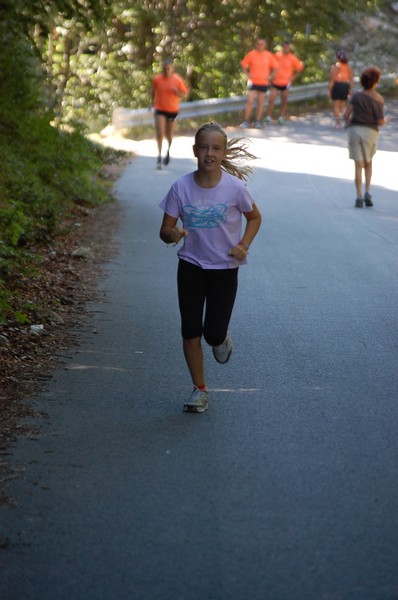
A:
123,118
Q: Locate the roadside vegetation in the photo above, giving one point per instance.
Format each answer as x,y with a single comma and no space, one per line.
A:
47,173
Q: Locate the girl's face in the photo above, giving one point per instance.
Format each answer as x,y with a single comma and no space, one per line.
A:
210,150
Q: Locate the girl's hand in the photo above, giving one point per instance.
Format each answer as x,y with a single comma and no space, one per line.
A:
239,252
176,234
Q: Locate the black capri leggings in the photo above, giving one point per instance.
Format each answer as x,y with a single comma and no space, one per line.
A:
212,289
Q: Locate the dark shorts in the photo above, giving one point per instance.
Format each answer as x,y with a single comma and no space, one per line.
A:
170,116
208,291
281,88
340,90
253,87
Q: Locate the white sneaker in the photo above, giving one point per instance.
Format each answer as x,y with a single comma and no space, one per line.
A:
245,125
198,401
222,352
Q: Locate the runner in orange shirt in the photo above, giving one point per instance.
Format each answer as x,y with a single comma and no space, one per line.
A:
341,83
168,89
259,65
289,66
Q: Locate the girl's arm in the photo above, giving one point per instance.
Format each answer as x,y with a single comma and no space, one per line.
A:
253,222
169,232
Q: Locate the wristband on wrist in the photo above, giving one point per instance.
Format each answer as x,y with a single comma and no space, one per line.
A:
242,243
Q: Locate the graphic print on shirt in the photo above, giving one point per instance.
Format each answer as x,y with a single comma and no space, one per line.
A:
204,218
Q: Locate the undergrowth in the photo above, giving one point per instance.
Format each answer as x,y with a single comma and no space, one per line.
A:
46,175
46,172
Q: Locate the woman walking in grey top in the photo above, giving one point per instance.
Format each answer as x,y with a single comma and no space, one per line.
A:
364,115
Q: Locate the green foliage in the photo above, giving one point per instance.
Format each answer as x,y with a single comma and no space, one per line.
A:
45,170
110,62
5,306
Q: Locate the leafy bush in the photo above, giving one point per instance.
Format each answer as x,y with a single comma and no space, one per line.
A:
45,170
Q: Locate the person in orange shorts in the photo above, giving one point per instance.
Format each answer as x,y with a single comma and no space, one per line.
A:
289,66
168,89
259,65
341,83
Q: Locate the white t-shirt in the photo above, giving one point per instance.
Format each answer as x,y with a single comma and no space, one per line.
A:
212,217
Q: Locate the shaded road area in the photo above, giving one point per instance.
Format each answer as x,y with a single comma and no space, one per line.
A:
286,489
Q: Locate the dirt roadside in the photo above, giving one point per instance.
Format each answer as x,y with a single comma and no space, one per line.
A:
66,284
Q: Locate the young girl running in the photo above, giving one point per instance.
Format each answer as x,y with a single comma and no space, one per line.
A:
210,203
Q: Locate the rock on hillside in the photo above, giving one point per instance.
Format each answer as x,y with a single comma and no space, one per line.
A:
372,40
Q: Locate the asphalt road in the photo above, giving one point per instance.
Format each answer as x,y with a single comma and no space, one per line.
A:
286,489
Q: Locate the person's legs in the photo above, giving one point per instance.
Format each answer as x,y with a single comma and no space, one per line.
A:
284,95
191,298
193,354
271,101
170,124
196,287
356,153
368,174
160,128
251,95
342,107
338,109
359,165
335,107
368,178
220,298
260,105
368,148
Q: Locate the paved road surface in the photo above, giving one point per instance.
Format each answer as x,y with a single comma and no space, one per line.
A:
286,489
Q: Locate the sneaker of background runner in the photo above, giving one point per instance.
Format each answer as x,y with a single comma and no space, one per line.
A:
159,162
358,203
198,401
368,199
281,121
258,125
166,159
244,125
268,120
222,352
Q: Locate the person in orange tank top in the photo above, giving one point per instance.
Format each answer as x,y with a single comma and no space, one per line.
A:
341,83
168,89
289,66
259,65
